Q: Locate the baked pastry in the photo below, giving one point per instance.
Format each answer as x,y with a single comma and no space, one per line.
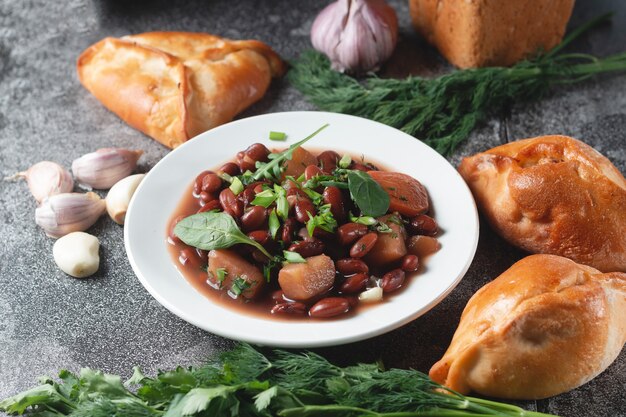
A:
482,33
545,326
175,85
553,194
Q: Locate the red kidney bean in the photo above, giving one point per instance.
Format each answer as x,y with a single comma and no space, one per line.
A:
277,296
257,152
312,171
229,168
334,197
211,183
253,218
203,255
258,188
423,225
329,307
288,230
246,197
304,209
307,248
349,232
189,257
349,266
211,205
171,237
259,256
260,236
362,246
359,167
355,283
410,263
206,197
328,160
393,280
296,192
230,203
245,162
197,185
289,308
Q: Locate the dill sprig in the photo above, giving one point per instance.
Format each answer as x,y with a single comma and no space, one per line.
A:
442,111
245,382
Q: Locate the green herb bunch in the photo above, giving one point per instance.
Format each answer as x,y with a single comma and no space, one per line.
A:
443,111
244,382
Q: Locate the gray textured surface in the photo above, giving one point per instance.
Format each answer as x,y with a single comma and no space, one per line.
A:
49,321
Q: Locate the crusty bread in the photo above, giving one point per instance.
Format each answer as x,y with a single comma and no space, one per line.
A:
545,326
175,85
553,194
478,33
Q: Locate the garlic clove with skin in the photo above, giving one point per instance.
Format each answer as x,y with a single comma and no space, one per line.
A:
118,198
47,178
104,167
356,35
61,214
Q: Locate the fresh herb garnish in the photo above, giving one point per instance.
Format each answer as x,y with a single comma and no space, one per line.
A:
345,161
442,111
324,220
245,382
367,194
238,286
293,257
220,275
211,230
270,169
265,198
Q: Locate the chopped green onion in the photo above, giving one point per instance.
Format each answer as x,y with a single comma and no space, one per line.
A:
282,205
265,198
239,286
226,177
293,257
236,186
273,223
345,161
278,135
221,275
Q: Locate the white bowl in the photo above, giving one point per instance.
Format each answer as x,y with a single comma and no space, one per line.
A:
160,192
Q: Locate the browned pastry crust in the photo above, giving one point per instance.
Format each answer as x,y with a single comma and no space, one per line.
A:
478,33
175,85
545,326
553,194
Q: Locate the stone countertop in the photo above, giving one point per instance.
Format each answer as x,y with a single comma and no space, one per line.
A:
49,321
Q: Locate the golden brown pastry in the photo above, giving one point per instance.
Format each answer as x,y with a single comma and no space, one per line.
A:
480,33
553,194
545,326
175,85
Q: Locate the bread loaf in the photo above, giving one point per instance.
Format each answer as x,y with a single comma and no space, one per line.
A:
553,194
175,85
479,33
545,326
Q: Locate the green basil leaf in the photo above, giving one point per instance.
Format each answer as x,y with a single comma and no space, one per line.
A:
367,194
213,230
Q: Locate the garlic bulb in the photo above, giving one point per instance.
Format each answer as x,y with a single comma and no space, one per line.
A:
119,196
47,178
104,167
61,214
76,254
356,35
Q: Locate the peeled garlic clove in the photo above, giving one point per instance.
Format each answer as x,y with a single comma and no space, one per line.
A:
356,35
47,178
61,214
372,295
119,196
76,254
104,167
